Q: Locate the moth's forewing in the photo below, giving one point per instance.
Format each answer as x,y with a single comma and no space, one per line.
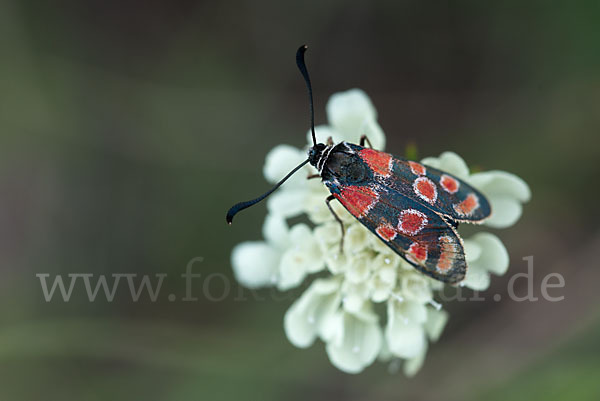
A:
423,238
441,192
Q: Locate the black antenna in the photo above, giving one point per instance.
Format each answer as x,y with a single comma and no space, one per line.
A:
235,209
302,67
243,205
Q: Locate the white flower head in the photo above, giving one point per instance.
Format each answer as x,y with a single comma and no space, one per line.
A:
372,303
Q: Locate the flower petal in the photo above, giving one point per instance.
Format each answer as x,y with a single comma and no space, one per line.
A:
385,355
494,256
383,281
359,267
275,230
255,264
411,311
413,365
291,270
415,287
358,344
449,162
386,260
436,321
497,182
355,295
287,203
280,161
318,212
404,332
506,192
373,131
310,314
304,257
477,278
328,235
322,132
303,239
472,250
357,239
431,162
352,114
406,340
336,261
379,246
505,212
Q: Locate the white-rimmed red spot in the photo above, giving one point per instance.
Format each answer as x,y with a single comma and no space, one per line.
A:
447,252
381,163
411,221
417,253
358,200
386,231
417,168
449,184
425,189
466,207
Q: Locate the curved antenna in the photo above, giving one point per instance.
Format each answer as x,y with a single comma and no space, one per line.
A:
302,67
243,205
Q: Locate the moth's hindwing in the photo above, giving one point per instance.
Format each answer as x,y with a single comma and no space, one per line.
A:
423,238
441,192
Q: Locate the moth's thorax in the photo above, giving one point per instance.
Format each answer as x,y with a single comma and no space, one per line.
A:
338,163
346,167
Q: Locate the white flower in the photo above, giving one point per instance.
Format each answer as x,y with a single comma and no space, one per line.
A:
505,191
384,278
485,253
404,332
351,114
312,314
356,340
284,258
373,303
256,264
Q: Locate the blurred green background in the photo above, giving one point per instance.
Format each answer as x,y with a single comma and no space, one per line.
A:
128,128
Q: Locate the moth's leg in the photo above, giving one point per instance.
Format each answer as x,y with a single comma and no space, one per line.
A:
329,141
329,199
364,139
311,176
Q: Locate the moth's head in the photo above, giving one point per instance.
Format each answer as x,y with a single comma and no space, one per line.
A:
315,152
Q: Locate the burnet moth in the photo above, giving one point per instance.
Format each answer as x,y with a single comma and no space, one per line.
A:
413,208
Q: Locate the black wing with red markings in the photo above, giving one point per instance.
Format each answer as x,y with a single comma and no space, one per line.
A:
424,239
441,192
413,208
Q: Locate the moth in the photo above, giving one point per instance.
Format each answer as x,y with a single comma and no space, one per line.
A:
413,208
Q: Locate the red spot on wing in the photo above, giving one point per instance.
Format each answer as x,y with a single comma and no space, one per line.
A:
417,168
425,189
411,221
386,232
358,200
417,253
379,162
447,252
466,207
449,184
